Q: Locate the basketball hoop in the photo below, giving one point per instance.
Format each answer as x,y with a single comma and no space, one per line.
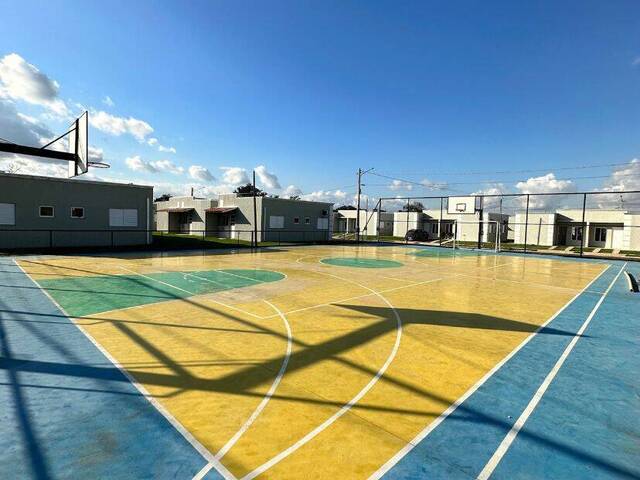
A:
99,165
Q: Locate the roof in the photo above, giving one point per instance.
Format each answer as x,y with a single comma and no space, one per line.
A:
73,180
176,210
220,209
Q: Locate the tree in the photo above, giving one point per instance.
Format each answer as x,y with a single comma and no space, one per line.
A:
346,207
413,207
247,191
294,197
163,198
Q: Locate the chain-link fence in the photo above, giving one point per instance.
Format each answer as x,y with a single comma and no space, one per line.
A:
594,223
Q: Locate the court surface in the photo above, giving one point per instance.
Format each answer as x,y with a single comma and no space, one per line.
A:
347,362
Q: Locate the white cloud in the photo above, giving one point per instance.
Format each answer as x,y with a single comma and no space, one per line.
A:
624,178
18,128
200,173
152,141
162,148
117,126
30,166
234,175
20,80
545,184
96,154
400,185
137,164
291,191
108,102
269,180
167,166
548,184
331,196
425,182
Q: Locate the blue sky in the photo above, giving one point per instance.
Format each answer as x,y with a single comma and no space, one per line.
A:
310,91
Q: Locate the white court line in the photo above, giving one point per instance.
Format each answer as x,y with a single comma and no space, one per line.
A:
515,429
191,293
208,456
346,407
432,426
232,441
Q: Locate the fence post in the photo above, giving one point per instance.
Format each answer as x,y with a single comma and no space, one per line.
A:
584,225
406,224
440,223
526,224
379,215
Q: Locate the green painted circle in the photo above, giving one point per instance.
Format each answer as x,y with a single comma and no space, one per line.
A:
356,262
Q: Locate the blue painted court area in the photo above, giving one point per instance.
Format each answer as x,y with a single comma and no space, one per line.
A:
586,424
66,408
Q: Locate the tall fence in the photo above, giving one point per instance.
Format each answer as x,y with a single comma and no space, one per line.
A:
585,223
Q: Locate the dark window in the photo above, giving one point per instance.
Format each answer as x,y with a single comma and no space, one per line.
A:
296,220
77,212
307,220
324,213
576,233
601,234
46,211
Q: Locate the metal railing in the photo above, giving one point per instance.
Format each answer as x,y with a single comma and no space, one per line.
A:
602,224
16,239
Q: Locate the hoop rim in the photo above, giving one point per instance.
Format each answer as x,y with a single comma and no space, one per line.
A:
99,165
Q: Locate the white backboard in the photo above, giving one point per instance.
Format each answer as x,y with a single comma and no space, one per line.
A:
462,205
79,145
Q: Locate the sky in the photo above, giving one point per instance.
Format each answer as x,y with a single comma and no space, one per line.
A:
438,97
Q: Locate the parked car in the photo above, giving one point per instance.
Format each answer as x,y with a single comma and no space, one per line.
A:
417,236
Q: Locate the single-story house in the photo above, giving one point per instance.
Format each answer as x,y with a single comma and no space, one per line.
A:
370,222
39,212
613,229
232,216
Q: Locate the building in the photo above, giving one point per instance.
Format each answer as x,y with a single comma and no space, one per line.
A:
344,222
37,212
611,229
463,218
232,216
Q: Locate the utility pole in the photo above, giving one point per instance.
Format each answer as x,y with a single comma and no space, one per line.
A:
360,174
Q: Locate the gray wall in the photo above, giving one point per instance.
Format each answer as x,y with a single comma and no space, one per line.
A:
28,193
289,209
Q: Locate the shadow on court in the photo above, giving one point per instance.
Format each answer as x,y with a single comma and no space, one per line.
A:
246,379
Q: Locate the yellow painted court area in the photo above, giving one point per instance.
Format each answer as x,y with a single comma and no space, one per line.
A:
331,369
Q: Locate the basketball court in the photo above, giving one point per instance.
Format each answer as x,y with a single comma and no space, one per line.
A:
346,362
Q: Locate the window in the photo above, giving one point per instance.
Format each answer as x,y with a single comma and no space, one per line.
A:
325,213
276,221
307,221
77,212
296,220
46,211
434,228
123,217
576,233
7,214
323,224
601,234
232,219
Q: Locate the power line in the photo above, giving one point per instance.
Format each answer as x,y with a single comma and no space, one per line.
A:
442,185
501,172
